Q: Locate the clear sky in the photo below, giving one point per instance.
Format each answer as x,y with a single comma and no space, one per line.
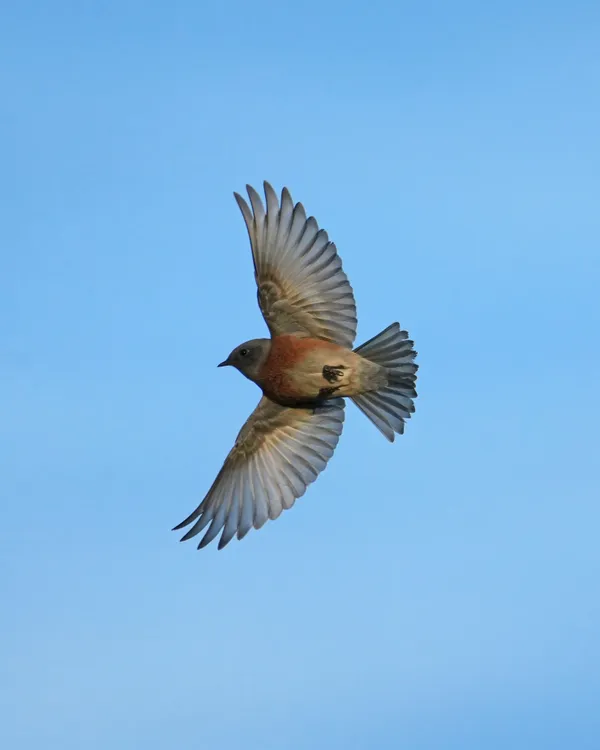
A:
440,593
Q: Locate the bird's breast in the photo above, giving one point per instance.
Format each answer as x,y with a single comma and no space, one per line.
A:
300,370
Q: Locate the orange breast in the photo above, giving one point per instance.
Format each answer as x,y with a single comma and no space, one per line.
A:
288,352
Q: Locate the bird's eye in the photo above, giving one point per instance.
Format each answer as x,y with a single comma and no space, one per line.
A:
243,352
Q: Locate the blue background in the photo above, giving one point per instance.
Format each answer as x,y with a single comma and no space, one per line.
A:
438,593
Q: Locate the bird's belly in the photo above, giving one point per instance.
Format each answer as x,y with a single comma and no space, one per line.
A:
322,372
327,382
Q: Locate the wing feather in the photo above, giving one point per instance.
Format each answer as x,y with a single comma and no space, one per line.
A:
302,287
277,454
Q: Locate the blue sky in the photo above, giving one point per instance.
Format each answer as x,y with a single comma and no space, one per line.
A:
440,593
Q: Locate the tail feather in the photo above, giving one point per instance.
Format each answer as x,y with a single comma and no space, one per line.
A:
390,406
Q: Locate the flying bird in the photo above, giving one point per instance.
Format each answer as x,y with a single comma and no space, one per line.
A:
304,370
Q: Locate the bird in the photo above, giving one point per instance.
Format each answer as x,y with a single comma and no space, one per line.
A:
305,370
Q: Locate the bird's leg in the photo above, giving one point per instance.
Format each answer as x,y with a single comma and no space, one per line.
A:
328,392
333,373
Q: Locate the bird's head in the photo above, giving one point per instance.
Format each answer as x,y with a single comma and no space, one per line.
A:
249,357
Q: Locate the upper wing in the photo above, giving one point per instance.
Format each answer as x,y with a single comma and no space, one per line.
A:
277,454
301,285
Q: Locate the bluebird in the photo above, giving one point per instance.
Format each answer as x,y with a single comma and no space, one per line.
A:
305,370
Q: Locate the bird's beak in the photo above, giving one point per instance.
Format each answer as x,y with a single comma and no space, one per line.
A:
225,363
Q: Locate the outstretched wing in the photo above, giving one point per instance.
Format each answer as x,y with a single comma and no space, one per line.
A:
302,287
277,454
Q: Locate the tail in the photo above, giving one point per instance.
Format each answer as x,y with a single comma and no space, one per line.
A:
388,407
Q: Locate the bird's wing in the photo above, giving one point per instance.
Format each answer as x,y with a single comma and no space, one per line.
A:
301,285
277,454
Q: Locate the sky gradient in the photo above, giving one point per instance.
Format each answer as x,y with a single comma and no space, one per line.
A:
440,593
